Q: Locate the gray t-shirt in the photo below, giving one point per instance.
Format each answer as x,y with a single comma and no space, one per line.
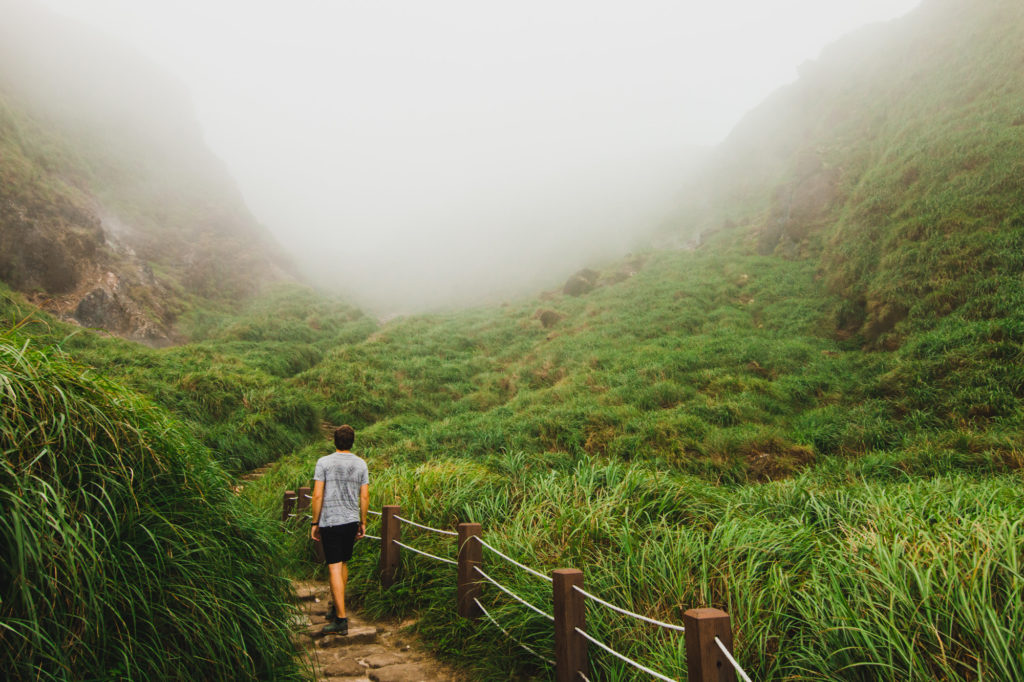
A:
343,474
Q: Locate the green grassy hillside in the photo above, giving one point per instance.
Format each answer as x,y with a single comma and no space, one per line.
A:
125,556
697,436
896,162
813,420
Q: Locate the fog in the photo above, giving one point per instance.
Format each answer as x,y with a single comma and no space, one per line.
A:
415,155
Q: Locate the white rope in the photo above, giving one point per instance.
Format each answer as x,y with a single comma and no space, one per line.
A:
511,593
732,660
374,513
613,607
506,633
413,549
308,497
615,653
585,678
372,537
420,525
511,560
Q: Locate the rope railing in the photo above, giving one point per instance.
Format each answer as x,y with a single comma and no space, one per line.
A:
511,560
569,600
506,633
420,525
624,612
426,554
511,593
621,657
741,671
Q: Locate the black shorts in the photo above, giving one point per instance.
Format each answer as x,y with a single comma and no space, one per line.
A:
338,541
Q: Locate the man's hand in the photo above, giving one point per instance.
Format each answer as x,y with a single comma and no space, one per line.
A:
315,533
361,531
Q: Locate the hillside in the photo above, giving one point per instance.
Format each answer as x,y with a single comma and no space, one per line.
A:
813,419
113,212
896,163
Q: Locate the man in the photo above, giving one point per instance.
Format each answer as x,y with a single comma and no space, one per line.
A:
341,498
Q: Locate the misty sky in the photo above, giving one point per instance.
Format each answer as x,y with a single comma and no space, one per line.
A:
418,153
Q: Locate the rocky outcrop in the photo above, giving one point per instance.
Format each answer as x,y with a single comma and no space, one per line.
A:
548,318
113,212
582,282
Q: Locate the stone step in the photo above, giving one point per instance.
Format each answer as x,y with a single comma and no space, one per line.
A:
402,672
357,634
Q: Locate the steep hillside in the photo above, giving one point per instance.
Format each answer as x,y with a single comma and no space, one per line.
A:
113,213
896,162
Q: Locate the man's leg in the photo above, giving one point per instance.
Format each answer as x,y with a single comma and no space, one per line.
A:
339,577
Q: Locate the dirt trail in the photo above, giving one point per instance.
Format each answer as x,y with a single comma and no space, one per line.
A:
380,651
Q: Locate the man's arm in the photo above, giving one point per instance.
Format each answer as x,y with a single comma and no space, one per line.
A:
318,503
364,506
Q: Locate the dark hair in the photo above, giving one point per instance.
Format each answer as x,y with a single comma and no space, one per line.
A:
344,436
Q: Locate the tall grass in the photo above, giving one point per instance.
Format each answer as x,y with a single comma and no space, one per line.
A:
844,573
125,555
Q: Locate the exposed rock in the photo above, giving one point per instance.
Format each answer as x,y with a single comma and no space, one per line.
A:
381,660
548,318
345,667
357,634
404,672
581,283
101,308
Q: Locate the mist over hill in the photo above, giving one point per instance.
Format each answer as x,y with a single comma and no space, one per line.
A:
896,161
113,211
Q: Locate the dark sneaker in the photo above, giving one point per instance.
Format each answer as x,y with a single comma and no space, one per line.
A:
338,627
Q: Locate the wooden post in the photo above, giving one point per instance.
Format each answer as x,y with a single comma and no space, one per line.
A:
704,660
288,506
390,529
304,499
471,554
570,613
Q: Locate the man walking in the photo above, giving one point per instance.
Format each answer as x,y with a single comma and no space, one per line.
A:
341,498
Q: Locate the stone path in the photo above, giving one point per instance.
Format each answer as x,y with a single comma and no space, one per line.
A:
377,651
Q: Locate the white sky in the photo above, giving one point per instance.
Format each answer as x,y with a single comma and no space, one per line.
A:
412,153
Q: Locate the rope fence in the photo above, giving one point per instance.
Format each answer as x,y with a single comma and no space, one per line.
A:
511,560
426,554
622,657
420,525
704,663
741,671
512,594
506,633
624,612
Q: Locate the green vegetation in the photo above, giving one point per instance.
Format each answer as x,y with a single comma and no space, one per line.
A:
701,434
232,387
823,439
126,556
